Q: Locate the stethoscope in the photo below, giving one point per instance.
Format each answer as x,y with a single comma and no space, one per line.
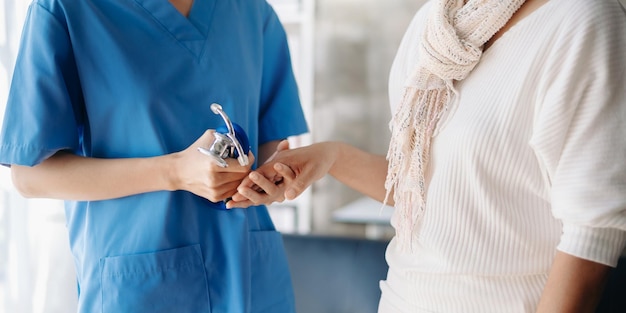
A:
230,141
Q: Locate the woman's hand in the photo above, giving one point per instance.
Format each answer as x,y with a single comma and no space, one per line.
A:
199,174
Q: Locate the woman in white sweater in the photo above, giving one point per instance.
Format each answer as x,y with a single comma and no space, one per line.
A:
507,162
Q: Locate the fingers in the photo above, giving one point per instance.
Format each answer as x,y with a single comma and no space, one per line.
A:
259,189
221,193
265,171
239,204
258,198
295,185
237,197
264,190
283,145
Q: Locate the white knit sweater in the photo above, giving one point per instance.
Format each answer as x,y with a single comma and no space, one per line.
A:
531,159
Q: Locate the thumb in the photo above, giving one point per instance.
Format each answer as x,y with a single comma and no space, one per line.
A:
283,145
206,139
296,185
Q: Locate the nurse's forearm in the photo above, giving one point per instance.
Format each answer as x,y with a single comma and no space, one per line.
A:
266,150
70,177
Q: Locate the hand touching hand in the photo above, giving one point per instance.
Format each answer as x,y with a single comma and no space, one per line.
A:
257,189
298,168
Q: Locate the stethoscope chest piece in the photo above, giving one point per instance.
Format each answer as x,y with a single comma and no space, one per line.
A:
230,141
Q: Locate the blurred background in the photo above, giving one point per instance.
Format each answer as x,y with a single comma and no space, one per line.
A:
342,52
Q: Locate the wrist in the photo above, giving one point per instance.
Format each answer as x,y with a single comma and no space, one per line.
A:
170,175
338,151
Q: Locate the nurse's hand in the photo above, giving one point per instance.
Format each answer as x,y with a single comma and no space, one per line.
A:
199,174
260,189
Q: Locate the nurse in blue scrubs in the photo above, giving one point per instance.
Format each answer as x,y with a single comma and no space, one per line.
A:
109,102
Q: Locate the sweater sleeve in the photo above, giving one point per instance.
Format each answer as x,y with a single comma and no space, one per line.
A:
580,131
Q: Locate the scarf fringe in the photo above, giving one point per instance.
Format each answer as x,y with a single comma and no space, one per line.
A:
408,157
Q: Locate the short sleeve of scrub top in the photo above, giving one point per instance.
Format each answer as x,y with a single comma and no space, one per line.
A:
43,109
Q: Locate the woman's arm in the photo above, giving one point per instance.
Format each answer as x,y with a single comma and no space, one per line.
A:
299,168
574,285
71,177
362,171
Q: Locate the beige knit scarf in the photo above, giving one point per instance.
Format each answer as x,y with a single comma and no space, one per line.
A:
451,46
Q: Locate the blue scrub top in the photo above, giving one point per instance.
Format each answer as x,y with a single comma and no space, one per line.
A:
135,78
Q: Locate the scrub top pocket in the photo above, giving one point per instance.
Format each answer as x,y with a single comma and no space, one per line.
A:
165,281
271,282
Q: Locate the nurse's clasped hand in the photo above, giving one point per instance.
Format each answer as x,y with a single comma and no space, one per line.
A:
201,175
